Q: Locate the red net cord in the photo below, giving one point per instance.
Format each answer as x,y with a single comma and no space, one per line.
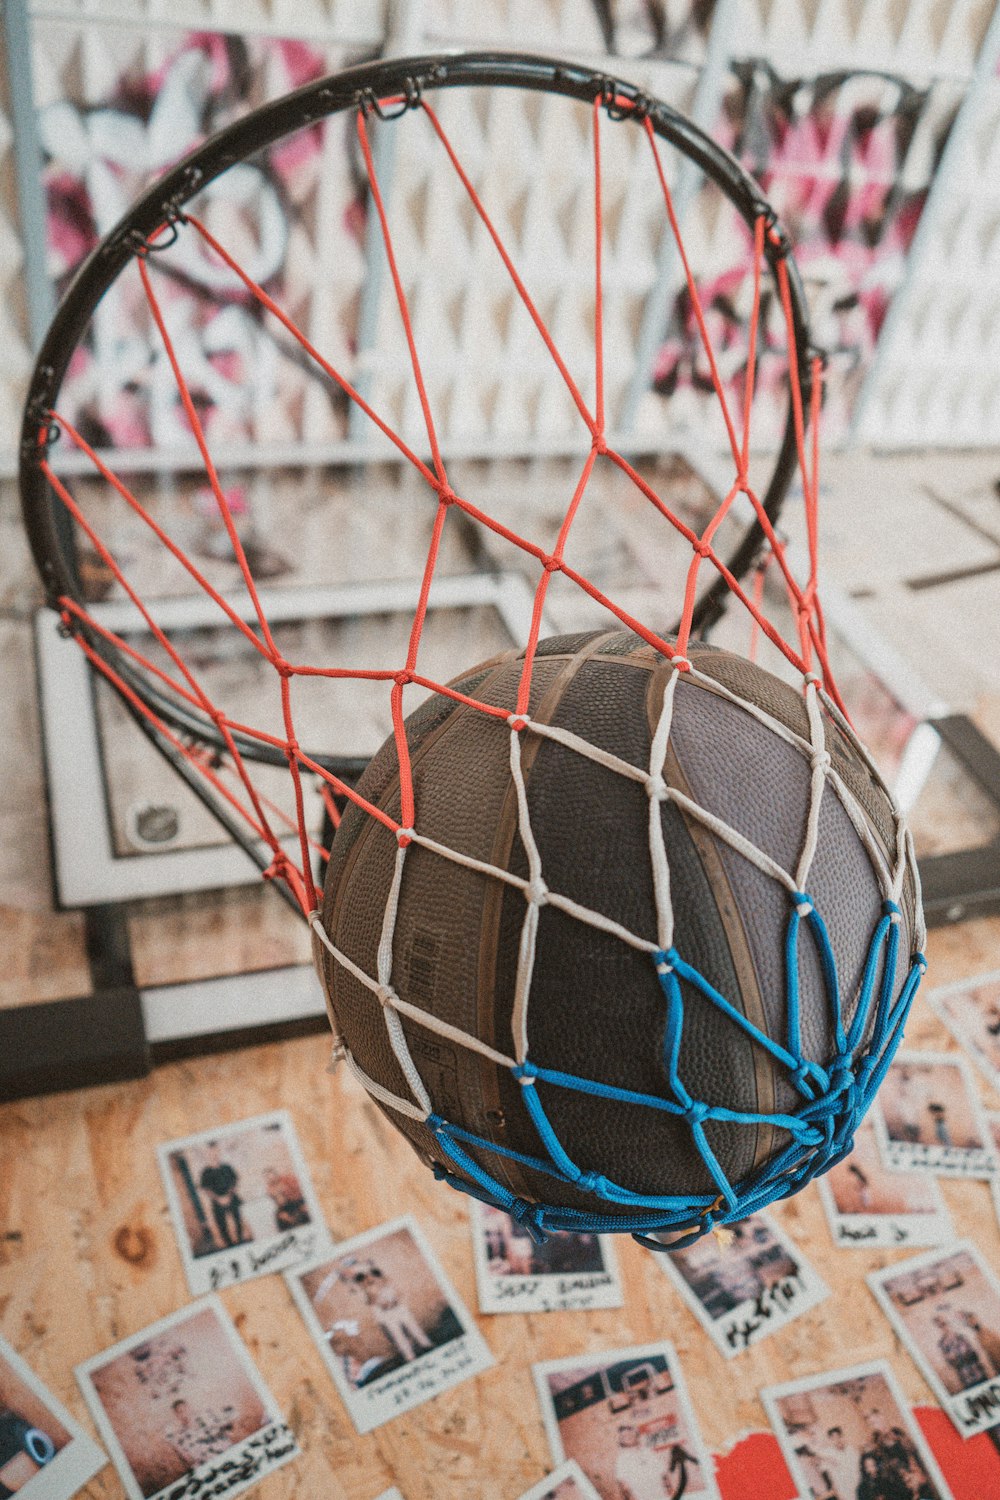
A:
269,823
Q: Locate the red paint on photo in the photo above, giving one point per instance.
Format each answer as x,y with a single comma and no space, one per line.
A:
970,1465
755,1467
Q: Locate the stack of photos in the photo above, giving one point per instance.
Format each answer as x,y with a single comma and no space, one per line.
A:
515,1274
945,1308
390,1327
44,1454
971,1012
241,1202
183,1411
849,1435
869,1206
930,1119
568,1482
746,1288
626,1419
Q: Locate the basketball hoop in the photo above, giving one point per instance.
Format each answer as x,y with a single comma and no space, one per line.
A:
221,756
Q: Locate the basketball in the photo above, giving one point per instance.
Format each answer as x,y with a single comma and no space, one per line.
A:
597,1008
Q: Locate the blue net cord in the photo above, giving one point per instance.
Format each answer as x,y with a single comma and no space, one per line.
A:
835,1097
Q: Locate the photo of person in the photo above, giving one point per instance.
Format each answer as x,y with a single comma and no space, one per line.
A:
971,1012
866,1205
182,1399
568,1482
945,1307
627,1421
750,1287
44,1454
849,1435
241,1201
382,1311
514,1274
930,1119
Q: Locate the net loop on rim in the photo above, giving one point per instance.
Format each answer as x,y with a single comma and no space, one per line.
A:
819,1132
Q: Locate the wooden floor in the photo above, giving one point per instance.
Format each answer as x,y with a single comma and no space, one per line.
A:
88,1256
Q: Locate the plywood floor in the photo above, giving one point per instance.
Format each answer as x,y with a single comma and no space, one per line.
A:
87,1257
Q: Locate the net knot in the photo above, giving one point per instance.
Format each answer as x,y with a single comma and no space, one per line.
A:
278,868
386,995
402,679
841,1072
811,680
920,961
405,837
664,959
592,1182
808,1077
703,548
697,1112
680,664
892,911
552,565
447,495
657,789
517,722
804,904
525,1073
536,892
820,760
599,443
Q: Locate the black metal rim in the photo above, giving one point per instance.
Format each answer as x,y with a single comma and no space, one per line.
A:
405,80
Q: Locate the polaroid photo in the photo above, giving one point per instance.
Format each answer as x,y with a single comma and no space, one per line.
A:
182,1409
624,1415
570,1271
750,1287
44,1453
241,1201
849,1433
568,1482
993,1125
869,1207
388,1323
971,1011
945,1308
930,1118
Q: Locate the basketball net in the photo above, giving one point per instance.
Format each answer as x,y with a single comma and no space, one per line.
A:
834,1097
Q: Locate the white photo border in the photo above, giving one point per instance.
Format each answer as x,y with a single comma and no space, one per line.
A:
80,1459
604,1357
548,1291
982,1165
363,1405
875,1231
770,1396
569,1469
210,1273
988,1415
814,1290
940,993
109,1437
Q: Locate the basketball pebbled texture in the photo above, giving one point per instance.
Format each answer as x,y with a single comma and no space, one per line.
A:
596,1008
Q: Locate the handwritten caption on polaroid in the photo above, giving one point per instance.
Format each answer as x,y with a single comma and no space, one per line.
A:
417,1382
944,1161
244,1261
771,1309
884,1231
240,1466
551,1292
